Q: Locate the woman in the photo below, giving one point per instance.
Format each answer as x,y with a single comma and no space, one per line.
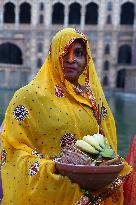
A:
130,185
58,102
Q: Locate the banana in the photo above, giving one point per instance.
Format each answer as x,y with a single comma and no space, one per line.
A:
95,144
92,141
86,147
100,139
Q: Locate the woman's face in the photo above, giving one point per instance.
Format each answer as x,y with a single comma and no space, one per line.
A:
74,61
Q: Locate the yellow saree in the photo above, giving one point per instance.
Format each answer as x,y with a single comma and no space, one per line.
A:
37,118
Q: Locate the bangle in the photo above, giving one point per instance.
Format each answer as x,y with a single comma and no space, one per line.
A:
84,200
88,194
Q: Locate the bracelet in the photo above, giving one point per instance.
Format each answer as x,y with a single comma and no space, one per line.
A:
84,200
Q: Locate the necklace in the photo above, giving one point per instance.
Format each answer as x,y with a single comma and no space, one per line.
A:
78,89
90,94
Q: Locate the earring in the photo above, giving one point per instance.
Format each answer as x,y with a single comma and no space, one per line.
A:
87,75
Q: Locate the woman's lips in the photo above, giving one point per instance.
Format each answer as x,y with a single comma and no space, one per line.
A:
69,69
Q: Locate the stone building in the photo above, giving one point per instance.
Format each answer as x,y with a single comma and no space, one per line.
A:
27,27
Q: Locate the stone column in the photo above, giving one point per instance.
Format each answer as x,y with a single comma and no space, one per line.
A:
82,17
66,14
134,41
116,14
48,13
113,61
134,26
99,53
17,10
7,77
33,55
46,43
134,49
101,13
34,13
1,14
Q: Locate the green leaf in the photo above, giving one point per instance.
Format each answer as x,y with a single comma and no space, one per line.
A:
107,153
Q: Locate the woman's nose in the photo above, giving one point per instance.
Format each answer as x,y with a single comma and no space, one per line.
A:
71,55
71,58
71,61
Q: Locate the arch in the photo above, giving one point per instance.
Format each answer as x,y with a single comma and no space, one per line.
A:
91,15
127,14
80,2
109,19
25,13
9,13
40,47
121,77
125,1
93,1
58,14
75,13
105,81
24,1
124,54
106,65
10,54
41,7
107,49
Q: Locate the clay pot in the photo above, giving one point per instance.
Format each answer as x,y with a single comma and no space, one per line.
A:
90,177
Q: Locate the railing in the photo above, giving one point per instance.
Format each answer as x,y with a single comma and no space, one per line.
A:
87,27
13,76
126,67
13,26
13,67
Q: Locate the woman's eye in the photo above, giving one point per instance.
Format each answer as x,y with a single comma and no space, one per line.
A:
79,53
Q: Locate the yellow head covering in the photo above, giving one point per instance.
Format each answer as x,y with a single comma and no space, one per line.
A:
52,75
37,118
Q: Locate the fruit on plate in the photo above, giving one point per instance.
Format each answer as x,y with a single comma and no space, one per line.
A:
107,152
86,147
95,144
93,141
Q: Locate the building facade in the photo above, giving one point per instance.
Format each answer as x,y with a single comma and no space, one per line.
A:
27,27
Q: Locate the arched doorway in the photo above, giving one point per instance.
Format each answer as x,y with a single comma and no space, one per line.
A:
106,65
107,49
41,6
41,19
121,77
10,54
58,14
9,13
127,14
124,54
25,13
109,19
75,13
91,16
